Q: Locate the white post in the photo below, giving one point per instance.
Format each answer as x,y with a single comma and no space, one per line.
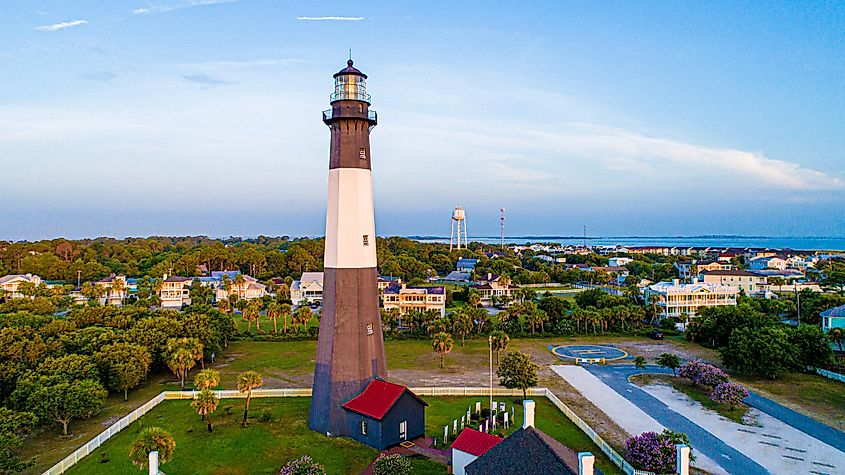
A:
586,462
682,459
528,419
153,462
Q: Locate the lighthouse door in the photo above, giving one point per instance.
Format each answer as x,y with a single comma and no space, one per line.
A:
403,430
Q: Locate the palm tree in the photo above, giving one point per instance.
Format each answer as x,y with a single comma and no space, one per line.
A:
302,315
273,311
286,311
442,344
207,379
117,288
152,439
239,282
247,381
206,403
223,305
180,362
500,342
251,312
473,298
461,324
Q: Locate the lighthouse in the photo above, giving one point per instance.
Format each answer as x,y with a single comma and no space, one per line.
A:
350,347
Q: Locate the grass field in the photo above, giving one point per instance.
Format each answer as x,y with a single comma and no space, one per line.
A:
696,393
263,447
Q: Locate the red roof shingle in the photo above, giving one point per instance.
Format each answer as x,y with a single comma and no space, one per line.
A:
377,399
473,442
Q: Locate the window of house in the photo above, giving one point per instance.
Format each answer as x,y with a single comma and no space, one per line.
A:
362,154
366,239
363,427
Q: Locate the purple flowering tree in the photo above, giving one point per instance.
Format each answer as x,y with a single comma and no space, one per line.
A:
702,373
304,465
729,393
651,451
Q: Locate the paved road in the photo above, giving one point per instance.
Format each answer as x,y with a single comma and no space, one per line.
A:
726,456
807,425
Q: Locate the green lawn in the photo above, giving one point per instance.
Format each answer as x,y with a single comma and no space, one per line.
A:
263,447
696,393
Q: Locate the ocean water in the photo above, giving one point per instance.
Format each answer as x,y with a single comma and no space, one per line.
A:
798,243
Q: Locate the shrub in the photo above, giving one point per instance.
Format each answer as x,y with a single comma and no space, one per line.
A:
729,393
702,373
394,464
265,416
652,451
304,465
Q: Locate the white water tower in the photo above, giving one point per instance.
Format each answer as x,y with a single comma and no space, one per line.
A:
459,220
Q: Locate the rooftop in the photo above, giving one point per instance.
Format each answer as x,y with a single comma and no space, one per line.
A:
377,399
474,442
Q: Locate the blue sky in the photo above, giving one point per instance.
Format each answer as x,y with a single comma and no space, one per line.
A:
203,117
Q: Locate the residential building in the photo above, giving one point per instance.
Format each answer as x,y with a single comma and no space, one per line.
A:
786,274
465,265
470,445
748,282
675,299
833,318
385,414
309,287
9,284
416,298
801,263
250,289
767,262
493,285
692,268
175,292
116,289
456,277
619,261
384,282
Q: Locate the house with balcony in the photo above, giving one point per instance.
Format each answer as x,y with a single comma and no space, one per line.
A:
768,262
175,291
414,298
115,289
309,288
676,299
493,285
251,288
748,282
9,284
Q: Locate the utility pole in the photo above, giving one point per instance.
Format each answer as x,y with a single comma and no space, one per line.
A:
78,278
490,341
503,228
797,300
585,237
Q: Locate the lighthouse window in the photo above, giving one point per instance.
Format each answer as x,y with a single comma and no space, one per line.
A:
362,154
369,328
366,239
361,108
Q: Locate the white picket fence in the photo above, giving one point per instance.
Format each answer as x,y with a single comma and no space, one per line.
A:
97,441
831,375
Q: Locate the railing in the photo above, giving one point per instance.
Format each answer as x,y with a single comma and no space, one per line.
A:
350,96
371,115
97,441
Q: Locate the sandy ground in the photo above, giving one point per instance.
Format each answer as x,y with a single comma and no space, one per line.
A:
778,447
623,412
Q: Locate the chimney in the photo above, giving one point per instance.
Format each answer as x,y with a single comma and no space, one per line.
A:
153,463
528,418
165,277
682,459
586,462
676,281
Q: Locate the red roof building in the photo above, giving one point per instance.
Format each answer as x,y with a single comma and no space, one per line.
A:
385,414
473,442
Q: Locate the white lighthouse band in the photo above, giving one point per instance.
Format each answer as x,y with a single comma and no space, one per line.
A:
350,226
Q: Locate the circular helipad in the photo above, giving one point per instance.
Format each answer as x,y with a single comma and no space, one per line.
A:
591,352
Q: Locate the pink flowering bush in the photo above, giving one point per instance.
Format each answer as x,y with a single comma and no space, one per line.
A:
729,393
702,373
304,465
651,451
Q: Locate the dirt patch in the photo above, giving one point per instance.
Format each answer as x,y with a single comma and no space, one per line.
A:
652,349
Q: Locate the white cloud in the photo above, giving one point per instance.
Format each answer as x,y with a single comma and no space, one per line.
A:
169,7
61,26
329,18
